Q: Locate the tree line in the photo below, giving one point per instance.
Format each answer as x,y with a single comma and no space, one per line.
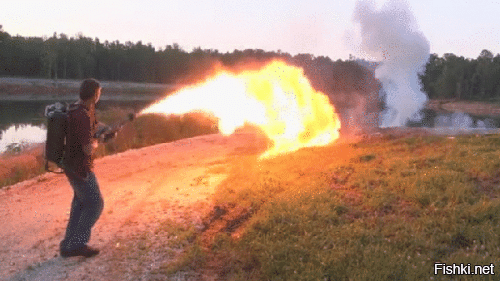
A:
63,57
453,77
78,57
351,86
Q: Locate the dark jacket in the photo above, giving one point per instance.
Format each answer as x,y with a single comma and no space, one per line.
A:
82,126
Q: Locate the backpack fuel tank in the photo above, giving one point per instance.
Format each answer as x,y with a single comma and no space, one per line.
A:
57,127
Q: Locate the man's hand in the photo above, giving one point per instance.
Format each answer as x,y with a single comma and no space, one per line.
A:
108,136
95,144
89,148
106,133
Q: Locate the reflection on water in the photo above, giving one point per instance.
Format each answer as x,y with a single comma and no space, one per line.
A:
454,122
18,136
32,112
429,118
23,122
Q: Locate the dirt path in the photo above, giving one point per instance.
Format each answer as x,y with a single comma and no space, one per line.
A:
141,188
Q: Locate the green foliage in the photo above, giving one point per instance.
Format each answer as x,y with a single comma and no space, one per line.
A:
15,148
63,57
77,57
452,77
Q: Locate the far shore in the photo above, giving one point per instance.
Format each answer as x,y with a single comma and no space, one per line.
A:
32,89
73,97
470,107
74,83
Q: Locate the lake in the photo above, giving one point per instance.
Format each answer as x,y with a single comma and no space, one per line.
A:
23,122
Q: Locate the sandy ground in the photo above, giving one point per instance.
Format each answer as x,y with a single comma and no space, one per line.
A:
140,187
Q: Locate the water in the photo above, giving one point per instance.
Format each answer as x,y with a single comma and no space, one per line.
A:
18,136
453,122
23,123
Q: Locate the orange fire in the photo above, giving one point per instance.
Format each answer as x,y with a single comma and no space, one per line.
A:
278,99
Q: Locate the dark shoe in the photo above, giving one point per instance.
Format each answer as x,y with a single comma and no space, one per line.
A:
84,251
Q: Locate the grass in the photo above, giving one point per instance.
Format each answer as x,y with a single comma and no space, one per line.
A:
381,209
19,166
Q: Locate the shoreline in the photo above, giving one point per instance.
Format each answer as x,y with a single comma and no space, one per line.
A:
75,83
73,97
28,89
477,108
37,89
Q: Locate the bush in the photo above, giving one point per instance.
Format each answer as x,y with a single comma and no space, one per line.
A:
25,164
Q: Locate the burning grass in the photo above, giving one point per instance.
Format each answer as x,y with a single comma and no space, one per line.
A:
384,208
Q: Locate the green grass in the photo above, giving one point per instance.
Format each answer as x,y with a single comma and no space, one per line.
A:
382,209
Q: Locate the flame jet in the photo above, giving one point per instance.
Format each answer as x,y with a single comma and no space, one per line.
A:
277,98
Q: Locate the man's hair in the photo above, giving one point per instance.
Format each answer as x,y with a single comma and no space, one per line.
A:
88,88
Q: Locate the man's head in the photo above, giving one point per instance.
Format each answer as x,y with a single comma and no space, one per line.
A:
90,89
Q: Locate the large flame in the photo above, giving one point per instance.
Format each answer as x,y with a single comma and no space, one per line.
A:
278,99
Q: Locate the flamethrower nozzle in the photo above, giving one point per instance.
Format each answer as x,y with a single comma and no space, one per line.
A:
106,133
132,116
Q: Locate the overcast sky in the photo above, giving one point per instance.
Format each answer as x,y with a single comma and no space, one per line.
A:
461,27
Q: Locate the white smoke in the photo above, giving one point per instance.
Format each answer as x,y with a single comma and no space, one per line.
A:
391,36
21,135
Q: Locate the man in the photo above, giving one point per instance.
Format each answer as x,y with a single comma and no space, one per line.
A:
87,203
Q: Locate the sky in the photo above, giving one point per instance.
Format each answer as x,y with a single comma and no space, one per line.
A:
462,27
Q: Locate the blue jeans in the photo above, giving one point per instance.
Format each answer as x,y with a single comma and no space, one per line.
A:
86,208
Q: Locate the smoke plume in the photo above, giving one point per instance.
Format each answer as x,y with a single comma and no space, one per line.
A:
390,35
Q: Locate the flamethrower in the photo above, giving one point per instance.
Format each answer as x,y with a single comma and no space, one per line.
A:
106,133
